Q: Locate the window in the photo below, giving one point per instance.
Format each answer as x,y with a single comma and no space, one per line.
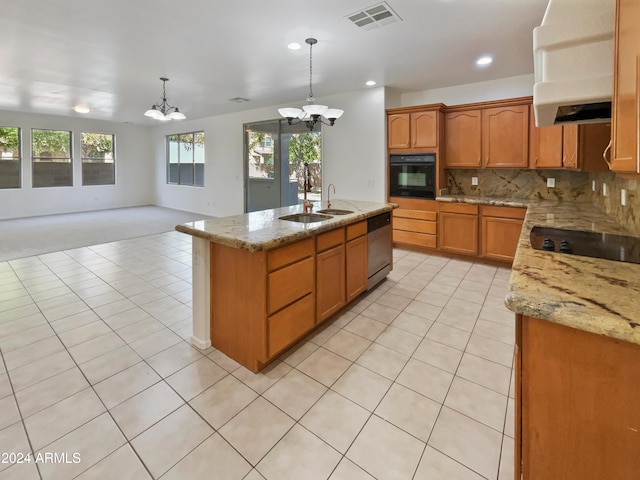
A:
185,159
10,157
51,158
98,159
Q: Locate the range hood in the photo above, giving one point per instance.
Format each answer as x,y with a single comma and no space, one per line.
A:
573,62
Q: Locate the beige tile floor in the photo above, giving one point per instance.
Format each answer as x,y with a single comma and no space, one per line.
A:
98,380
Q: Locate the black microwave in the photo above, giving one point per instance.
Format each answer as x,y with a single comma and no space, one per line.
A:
412,176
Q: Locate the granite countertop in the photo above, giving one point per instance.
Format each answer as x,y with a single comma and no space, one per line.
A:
496,202
263,230
595,295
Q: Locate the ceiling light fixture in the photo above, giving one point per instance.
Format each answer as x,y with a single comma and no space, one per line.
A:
370,83
311,114
82,109
162,110
484,61
294,46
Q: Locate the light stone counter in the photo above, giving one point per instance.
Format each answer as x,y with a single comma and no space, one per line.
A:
590,294
263,230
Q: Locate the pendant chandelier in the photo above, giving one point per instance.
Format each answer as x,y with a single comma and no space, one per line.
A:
311,114
164,111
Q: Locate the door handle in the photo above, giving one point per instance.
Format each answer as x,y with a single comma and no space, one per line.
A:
604,154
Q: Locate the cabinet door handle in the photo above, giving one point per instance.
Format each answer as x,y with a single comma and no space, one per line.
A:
604,154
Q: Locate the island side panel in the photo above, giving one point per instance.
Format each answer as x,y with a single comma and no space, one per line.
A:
201,275
238,304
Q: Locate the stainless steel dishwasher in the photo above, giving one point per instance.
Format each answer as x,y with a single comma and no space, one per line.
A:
379,248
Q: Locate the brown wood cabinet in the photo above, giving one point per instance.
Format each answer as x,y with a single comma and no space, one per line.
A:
458,228
263,302
413,131
415,222
571,146
356,260
576,396
463,139
500,231
626,88
505,136
330,273
488,137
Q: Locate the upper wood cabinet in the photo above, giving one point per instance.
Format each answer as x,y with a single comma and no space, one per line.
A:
545,145
571,146
505,136
626,88
463,139
584,145
417,130
489,137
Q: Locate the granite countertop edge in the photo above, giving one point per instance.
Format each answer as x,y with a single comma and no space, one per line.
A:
263,230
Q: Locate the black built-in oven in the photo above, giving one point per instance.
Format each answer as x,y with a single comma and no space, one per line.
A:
412,175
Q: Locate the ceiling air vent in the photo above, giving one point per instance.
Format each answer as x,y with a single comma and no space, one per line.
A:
374,16
239,99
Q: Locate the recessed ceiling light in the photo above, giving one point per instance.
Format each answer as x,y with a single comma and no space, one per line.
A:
294,46
484,61
370,83
82,109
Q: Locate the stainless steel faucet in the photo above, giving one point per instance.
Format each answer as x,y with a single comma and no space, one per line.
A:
307,206
329,194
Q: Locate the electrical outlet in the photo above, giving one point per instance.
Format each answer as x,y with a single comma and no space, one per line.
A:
604,189
551,182
623,197
474,180
593,185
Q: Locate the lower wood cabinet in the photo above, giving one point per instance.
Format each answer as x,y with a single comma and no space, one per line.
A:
263,302
576,399
500,231
415,222
356,260
458,228
330,274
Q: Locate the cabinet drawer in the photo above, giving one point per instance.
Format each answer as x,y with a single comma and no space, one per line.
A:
411,225
356,230
330,239
467,208
282,256
289,324
503,212
412,238
416,214
289,284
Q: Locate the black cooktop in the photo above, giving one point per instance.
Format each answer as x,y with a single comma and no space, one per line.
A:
588,244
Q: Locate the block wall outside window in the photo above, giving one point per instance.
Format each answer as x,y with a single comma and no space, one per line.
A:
98,159
10,157
185,159
51,158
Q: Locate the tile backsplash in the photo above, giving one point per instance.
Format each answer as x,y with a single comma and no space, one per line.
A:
569,186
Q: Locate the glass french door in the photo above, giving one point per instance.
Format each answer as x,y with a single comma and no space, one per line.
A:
275,154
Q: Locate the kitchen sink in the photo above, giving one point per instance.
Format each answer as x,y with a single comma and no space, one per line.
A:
335,211
306,217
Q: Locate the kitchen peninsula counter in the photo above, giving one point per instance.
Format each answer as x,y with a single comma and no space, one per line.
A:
263,230
590,294
261,283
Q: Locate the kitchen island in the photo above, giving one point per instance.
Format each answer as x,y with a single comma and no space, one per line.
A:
260,283
577,381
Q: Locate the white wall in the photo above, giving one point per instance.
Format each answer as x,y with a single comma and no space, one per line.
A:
134,184
353,155
511,87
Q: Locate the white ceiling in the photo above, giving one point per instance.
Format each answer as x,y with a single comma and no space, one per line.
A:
109,54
